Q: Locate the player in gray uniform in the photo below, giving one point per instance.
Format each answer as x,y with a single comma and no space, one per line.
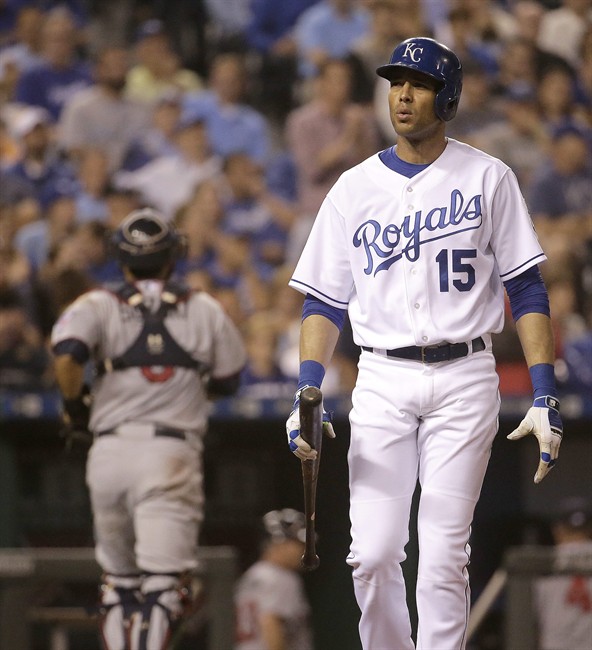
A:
161,351
272,612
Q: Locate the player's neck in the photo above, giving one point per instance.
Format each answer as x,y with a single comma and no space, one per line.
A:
420,152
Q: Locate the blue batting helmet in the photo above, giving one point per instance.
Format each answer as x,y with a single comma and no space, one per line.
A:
436,61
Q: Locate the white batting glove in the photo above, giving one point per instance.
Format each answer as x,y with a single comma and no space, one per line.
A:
544,422
298,446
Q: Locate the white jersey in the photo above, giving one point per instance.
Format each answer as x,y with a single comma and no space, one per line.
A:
175,398
268,588
421,260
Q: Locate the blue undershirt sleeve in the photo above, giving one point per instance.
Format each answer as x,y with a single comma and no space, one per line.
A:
312,305
527,293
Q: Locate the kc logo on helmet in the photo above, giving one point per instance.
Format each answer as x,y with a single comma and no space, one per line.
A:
413,52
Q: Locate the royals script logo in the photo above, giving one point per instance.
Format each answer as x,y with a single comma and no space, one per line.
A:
386,245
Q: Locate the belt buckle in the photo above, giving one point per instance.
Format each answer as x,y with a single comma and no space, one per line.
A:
443,356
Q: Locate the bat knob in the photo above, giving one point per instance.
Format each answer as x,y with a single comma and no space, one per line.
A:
310,562
311,396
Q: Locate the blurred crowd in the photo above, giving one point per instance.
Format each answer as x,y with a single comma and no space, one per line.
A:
234,118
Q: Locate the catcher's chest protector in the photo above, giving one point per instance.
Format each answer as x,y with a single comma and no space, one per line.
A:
154,345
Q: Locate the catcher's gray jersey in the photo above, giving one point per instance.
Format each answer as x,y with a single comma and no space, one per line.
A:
175,397
269,588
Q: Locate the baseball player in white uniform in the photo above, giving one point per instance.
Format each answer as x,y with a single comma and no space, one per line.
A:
160,351
272,611
417,243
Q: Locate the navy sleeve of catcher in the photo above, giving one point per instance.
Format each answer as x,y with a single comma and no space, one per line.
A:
74,347
527,293
312,305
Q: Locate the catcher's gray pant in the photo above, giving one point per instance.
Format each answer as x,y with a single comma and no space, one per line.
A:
436,423
147,501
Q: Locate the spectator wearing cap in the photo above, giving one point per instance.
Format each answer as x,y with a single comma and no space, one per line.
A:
168,181
61,74
40,164
563,603
232,124
101,116
158,67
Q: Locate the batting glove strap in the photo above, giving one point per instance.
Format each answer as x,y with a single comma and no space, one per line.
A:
544,422
298,446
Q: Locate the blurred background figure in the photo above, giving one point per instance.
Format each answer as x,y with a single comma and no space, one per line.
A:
38,161
233,125
272,612
23,53
62,71
102,116
270,37
158,66
328,30
562,29
168,181
564,603
25,363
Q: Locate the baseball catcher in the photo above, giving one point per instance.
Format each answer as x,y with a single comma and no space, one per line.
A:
159,350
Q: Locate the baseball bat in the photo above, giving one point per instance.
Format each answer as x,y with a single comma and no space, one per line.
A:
311,429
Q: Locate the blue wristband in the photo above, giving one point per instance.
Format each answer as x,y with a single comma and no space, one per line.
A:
542,376
311,374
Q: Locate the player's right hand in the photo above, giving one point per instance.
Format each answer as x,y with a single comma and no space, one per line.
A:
544,422
298,446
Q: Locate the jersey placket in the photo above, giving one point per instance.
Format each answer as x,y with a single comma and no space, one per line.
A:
414,273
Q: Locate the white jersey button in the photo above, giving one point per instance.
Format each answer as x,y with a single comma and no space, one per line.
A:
424,338
410,189
416,305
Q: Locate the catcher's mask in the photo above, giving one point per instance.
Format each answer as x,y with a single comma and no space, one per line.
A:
145,241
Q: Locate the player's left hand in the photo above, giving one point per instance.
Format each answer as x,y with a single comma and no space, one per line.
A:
298,445
544,422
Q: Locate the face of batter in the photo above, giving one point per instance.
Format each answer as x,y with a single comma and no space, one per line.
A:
411,105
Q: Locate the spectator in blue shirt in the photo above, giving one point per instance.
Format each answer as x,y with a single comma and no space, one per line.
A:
328,30
232,125
40,165
52,83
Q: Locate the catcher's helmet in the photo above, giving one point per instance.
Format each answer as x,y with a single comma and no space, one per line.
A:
435,60
282,525
146,242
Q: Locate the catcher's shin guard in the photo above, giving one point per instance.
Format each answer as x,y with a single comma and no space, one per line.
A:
164,601
118,607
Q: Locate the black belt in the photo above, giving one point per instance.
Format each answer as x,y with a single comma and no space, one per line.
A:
433,353
166,432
